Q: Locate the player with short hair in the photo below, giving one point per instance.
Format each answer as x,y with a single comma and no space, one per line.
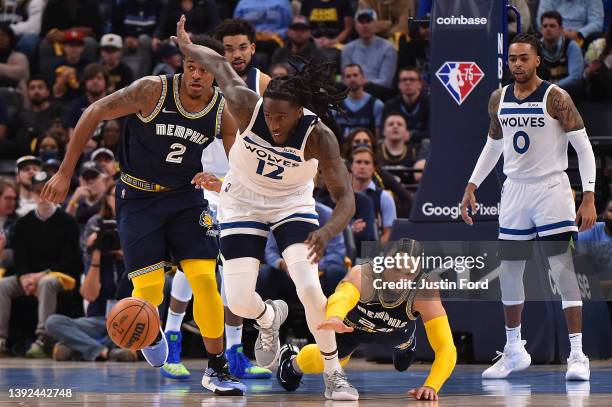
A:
171,119
269,187
531,123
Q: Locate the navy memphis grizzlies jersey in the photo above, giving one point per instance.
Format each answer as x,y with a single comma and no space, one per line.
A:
166,147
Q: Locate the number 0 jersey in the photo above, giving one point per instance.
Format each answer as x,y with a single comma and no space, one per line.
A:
273,170
535,144
166,147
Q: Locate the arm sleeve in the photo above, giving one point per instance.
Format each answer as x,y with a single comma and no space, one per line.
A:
595,18
586,159
387,209
343,300
441,340
272,255
487,160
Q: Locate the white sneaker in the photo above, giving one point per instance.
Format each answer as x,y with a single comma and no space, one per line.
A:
337,387
578,367
514,358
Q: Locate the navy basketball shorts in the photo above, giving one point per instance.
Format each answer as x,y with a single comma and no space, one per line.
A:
349,342
156,228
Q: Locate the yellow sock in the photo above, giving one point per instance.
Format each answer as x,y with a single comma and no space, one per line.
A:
150,287
207,304
309,359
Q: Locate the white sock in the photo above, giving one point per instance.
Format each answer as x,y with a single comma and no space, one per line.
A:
331,362
575,342
265,321
233,335
513,335
174,321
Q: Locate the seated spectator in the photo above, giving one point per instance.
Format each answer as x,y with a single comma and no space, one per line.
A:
111,133
111,51
298,43
412,103
583,19
202,18
136,21
598,71
331,21
392,15
363,163
8,219
14,66
105,277
51,166
66,73
170,60
50,148
4,119
562,61
95,81
87,198
397,148
270,19
105,160
413,50
278,70
47,261
32,122
376,56
24,18
361,109
27,166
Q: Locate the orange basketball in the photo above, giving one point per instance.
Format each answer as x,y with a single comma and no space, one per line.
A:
133,323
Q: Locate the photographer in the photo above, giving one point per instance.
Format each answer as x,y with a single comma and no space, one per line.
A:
105,282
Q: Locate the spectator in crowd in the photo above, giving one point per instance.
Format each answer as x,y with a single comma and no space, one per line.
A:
51,166
392,15
14,66
87,199
95,81
105,277
57,131
583,20
25,18
170,60
270,19
414,51
27,166
111,132
376,56
598,71
111,51
105,160
412,103
363,163
397,148
202,18
66,73
31,122
525,13
5,142
331,265
47,261
136,21
298,43
278,70
50,148
562,62
8,219
331,21
361,109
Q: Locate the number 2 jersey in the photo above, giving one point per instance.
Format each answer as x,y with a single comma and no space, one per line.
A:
269,169
535,144
165,148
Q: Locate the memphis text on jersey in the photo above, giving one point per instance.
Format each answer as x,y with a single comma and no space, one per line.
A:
185,133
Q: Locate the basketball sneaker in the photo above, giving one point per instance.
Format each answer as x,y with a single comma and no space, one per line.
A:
222,383
286,375
514,358
173,368
338,388
267,345
36,350
157,353
578,367
241,367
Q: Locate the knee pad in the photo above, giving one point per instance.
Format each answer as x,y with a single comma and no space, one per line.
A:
150,287
239,281
511,281
562,272
181,290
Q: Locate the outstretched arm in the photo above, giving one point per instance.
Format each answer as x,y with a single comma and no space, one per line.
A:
241,99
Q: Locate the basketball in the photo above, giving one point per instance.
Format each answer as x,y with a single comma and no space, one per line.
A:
133,324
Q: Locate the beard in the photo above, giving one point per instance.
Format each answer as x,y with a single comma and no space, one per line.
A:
527,76
246,69
39,100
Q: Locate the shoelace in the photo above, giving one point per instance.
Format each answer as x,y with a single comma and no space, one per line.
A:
225,377
339,379
267,338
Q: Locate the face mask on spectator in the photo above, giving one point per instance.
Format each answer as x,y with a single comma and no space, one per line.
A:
49,154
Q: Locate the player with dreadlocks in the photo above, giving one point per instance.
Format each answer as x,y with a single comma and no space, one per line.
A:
269,188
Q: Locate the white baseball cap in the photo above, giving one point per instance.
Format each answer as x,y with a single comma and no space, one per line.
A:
111,41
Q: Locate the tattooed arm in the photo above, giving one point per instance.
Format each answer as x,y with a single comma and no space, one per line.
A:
140,97
561,107
495,130
323,146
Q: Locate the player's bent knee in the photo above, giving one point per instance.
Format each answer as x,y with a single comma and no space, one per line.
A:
149,287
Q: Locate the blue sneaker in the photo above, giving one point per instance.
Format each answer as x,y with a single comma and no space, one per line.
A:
241,367
157,353
222,383
173,368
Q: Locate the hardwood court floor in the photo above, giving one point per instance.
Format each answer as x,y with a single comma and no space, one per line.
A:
115,384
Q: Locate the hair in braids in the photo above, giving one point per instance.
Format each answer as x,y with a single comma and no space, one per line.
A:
311,86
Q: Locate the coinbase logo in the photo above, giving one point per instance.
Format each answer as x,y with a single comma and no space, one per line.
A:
461,20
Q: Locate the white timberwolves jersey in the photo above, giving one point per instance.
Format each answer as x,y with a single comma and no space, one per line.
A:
535,144
273,170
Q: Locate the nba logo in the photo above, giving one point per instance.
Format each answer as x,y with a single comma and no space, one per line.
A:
459,78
